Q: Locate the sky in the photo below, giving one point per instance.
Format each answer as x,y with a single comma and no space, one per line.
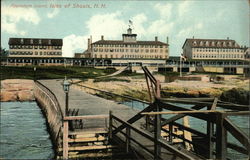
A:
75,21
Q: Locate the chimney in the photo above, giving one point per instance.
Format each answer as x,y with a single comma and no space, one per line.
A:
193,37
167,40
102,37
227,38
88,43
156,38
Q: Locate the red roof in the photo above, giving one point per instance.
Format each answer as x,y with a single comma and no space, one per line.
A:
211,43
133,43
35,41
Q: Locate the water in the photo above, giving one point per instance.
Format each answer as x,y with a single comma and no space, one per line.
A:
23,133
241,121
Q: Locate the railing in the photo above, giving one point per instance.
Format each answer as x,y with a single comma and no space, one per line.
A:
66,129
52,97
152,84
130,139
211,117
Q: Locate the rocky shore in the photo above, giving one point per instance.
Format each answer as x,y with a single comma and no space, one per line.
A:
17,90
203,87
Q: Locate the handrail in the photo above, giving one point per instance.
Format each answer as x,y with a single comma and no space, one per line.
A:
86,117
52,96
151,138
118,95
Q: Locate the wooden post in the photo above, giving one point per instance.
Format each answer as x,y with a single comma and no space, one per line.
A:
110,125
65,139
157,133
170,127
209,140
127,140
158,89
221,137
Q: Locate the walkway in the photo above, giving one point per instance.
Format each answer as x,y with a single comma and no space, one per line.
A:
93,105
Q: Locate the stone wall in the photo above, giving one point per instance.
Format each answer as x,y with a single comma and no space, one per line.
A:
17,90
51,109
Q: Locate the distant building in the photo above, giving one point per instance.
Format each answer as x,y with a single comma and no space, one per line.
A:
209,49
35,47
247,54
128,50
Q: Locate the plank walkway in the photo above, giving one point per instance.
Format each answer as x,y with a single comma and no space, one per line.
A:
93,105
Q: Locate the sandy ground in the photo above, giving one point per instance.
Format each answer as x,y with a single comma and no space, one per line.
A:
178,86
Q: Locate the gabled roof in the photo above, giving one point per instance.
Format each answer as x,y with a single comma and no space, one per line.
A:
211,43
133,43
35,41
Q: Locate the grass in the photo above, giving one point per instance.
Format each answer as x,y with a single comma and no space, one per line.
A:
51,72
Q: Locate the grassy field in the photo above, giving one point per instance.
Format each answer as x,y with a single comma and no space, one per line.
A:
51,72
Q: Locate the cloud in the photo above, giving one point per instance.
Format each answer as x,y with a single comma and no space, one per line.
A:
184,7
189,31
110,25
164,10
138,23
72,44
53,13
12,16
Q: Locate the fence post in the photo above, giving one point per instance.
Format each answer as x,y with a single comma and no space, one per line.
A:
157,132
127,139
221,137
170,127
110,125
65,139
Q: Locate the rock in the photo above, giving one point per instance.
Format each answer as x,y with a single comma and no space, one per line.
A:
17,89
8,96
25,96
236,95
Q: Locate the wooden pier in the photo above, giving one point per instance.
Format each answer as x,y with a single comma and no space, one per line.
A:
145,134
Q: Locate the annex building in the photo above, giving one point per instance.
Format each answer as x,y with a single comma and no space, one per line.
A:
213,49
35,47
128,50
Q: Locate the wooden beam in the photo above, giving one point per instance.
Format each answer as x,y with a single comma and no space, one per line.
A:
135,118
222,105
179,112
221,138
86,117
176,117
213,107
157,134
65,139
172,107
237,133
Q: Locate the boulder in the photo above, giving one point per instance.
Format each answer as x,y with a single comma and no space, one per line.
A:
25,95
8,96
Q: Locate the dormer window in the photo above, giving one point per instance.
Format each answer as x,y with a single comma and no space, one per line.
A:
49,41
31,41
224,44
230,44
207,43
22,41
194,43
40,41
201,43
212,43
218,44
